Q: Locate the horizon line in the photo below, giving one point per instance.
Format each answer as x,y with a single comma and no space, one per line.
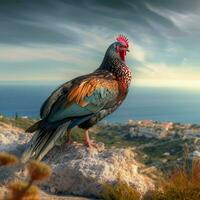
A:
135,82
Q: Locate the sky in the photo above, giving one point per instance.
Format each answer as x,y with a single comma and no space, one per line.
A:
56,40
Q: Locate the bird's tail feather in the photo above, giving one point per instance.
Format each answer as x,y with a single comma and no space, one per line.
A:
35,126
43,141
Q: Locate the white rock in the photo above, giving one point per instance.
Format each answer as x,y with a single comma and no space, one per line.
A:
166,154
164,160
79,172
195,154
11,137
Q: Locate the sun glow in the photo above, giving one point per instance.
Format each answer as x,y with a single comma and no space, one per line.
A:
168,83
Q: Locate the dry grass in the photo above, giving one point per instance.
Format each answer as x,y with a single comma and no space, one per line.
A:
181,185
38,171
120,191
19,190
7,159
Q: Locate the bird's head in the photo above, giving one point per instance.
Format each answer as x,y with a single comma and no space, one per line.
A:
119,48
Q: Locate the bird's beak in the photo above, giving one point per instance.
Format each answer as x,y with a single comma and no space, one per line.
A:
128,50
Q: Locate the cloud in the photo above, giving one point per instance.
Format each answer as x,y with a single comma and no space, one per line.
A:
185,21
31,22
18,54
72,36
168,83
137,52
94,44
163,71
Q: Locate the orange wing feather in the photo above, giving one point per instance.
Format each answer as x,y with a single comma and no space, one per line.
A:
86,88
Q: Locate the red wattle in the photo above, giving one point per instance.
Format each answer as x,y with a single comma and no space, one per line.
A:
122,55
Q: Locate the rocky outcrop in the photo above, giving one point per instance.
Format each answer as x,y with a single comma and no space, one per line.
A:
78,171
11,137
81,172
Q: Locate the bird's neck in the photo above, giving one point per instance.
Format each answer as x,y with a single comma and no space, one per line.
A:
116,66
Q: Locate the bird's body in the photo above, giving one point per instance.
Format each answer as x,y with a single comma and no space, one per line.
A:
82,101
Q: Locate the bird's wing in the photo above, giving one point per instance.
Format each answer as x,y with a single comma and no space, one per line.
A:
58,93
96,91
47,105
89,96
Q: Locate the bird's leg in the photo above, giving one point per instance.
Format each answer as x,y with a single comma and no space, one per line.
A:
69,138
89,143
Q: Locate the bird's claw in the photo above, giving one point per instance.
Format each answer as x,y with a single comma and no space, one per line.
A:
90,144
70,141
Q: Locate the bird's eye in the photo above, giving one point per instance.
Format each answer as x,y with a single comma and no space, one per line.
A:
120,45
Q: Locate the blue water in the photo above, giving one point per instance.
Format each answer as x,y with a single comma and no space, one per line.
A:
161,104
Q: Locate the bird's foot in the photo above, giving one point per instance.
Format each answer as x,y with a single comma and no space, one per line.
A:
69,141
90,144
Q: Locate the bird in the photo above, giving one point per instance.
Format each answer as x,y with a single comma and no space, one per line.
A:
82,102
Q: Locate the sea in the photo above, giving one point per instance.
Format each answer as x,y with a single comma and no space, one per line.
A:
142,103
